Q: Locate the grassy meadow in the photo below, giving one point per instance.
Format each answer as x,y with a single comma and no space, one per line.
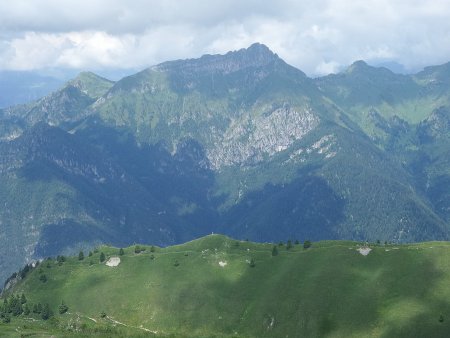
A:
209,288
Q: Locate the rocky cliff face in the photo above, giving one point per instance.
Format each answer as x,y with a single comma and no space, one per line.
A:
248,141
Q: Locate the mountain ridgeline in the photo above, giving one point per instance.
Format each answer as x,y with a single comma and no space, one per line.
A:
241,144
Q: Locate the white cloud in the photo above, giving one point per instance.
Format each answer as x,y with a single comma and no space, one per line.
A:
317,37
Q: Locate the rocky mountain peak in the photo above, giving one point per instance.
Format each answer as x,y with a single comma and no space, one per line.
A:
358,66
257,55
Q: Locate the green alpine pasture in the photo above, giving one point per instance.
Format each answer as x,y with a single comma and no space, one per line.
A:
219,287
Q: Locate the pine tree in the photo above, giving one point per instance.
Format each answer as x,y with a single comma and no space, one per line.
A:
81,256
46,312
288,245
63,308
252,263
274,251
26,310
121,252
15,306
23,299
102,257
152,249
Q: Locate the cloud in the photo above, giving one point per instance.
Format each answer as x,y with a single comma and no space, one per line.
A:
317,37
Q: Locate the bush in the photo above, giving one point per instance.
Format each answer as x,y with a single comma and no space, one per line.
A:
81,256
121,252
43,278
102,257
252,263
6,318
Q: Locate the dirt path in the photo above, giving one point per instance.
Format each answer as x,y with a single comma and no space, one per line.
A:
131,326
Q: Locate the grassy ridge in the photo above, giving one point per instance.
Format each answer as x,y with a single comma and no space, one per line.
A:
329,290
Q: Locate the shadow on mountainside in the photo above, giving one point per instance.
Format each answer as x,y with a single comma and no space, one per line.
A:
125,192
305,208
337,292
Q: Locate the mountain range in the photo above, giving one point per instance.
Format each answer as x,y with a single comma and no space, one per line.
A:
241,144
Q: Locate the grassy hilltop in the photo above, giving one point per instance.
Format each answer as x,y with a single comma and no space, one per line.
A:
209,288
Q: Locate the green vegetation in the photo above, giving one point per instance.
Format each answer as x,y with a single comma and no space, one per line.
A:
242,144
329,290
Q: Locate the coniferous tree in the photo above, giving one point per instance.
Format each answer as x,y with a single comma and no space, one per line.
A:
63,308
81,256
252,263
307,244
15,306
23,299
289,245
46,312
26,310
121,252
102,257
152,249
274,251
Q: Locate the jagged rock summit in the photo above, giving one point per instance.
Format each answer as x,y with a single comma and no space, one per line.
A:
257,55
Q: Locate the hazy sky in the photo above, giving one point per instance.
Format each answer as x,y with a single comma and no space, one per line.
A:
318,36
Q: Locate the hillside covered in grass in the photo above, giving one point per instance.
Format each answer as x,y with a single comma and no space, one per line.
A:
219,287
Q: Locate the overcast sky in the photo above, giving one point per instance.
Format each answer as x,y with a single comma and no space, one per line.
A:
319,37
